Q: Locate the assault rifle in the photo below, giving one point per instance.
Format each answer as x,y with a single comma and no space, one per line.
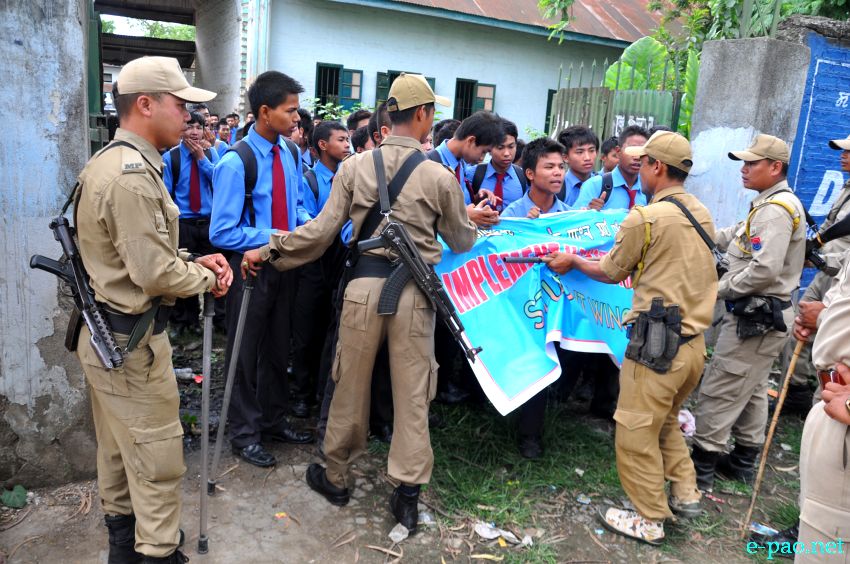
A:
840,228
396,238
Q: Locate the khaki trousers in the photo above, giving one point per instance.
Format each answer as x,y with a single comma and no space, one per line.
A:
804,370
413,371
733,393
649,443
824,488
139,439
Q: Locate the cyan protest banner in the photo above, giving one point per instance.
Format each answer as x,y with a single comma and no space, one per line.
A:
517,312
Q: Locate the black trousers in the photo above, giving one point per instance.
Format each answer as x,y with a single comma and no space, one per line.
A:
195,237
260,388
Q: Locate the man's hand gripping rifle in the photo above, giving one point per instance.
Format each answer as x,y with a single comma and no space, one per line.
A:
70,270
395,238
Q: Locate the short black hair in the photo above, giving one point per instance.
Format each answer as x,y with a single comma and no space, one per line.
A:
306,122
223,123
195,117
323,132
200,106
445,129
485,126
508,128
520,147
609,145
271,89
379,119
233,115
354,117
360,138
576,135
406,116
537,148
673,173
631,131
659,127
213,114
123,102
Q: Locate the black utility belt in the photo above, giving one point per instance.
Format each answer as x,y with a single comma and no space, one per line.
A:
372,267
123,323
196,221
758,315
682,338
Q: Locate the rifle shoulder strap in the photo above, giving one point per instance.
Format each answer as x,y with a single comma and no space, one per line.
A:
75,194
387,194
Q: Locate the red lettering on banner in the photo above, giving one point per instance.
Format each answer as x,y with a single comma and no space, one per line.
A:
461,287
490,280
447,284
499,270
477,278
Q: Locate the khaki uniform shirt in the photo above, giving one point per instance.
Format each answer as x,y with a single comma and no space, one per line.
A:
429,199
127,231
832,341
678,265
768,262
833,252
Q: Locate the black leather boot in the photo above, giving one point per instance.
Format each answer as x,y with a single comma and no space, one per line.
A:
738,464
404,504
704,464
122,539
175,557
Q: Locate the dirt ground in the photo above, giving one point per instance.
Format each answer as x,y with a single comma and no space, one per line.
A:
261,515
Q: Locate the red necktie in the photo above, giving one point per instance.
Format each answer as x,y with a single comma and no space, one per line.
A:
194,187
632,196
500,177
280,215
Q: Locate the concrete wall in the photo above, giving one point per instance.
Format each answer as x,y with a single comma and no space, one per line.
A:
217,60
45,421
522,66
746,87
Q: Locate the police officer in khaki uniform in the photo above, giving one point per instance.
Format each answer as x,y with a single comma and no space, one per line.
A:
765,253
799,398
824,467
666,257
429,204
127,229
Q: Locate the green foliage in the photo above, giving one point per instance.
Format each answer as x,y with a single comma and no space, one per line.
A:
559,10
641,66
532,133
160,30
14,498
330,110
689,90
107,26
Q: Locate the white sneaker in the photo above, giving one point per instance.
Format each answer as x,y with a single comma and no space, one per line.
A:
632,524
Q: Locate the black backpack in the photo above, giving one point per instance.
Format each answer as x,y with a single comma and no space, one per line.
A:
607,187
481,170
174,155
249,162
312,182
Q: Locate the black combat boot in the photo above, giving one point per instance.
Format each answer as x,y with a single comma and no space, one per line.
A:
738,464
704,464
175,557
404,504
122,539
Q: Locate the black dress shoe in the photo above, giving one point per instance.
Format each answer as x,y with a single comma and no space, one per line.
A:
317,479
255,454
530,447
383,433
300,409
435,421
405,508
288,435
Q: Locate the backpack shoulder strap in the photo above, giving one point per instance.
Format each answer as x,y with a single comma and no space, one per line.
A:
293,148
249,163
174,155
522,179
478,178
434,155
313,182
208,154
607,185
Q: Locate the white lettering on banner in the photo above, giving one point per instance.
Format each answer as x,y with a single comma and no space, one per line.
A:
843,98
827,192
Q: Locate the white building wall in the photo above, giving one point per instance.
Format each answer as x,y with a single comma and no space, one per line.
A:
522,66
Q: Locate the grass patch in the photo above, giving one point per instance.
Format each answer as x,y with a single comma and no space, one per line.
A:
790,432
479,473
784,515
732,487
537,554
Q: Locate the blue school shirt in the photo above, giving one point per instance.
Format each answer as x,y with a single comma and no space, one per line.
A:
180,192
619,197
572,187
324,177
453,162
521,207
511,185
229,225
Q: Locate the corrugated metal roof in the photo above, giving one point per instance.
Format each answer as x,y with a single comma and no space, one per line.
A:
620,20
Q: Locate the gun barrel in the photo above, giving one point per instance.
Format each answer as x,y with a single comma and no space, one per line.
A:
522,260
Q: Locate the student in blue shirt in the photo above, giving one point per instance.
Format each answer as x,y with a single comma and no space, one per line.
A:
193,195
506,181
221,146
260,394
316,280
301,136
608,155
626,192
581,145
544,166
233,122
475,136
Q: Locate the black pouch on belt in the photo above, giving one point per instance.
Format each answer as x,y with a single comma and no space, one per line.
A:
754,316
655,337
